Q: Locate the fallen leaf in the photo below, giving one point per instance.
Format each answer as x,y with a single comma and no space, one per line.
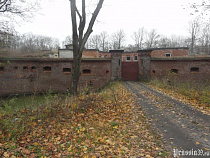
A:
134,137
6,154
36,144
26,151
70,148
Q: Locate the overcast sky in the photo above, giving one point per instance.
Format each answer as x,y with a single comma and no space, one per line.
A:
166,16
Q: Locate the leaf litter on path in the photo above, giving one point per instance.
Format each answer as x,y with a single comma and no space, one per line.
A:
104,124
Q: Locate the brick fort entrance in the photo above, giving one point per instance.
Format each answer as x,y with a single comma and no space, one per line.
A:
130,71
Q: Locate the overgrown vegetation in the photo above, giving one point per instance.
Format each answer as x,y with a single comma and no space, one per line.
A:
195,92
104,124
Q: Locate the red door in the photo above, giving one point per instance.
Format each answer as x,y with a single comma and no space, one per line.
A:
130,71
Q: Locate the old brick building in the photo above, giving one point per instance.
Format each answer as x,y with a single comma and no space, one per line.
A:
157,52
170,52
41,75
126,56
37,75
68,52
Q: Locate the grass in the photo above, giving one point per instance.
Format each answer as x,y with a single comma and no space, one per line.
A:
195,92
108,123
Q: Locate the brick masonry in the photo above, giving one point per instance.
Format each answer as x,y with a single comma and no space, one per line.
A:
41,75
144,64
174,52
182,68
185,69
116,64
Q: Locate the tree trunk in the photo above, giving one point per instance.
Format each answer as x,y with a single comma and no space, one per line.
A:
75,75
80,40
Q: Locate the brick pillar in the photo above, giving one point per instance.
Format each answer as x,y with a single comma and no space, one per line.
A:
116,64
144,64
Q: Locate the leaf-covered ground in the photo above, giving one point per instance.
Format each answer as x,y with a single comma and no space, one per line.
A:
104,124
183,127
193,93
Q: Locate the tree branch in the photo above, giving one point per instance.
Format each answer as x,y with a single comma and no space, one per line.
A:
74,25
4,5
82,23
78,13
90,27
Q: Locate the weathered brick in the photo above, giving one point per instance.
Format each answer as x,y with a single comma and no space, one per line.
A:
35,76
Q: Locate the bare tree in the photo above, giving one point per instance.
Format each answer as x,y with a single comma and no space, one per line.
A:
173,41
194,28
95,41
80,38
204,5
178,41
138,37
13,11
34,43
152,38
18,7
98,41
88,44
204,40
68,40
164,42
104,42
117,39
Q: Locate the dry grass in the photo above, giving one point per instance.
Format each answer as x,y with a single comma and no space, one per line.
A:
198,94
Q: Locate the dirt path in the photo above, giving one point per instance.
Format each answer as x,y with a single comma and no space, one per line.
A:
184,128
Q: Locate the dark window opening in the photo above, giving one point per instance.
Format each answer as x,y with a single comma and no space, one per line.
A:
1,68
107,71
153,71
47,68
33,68
194,69
128,58
135,58
86,71
168,54
66,70
25,67
174,71
15,67
119,62
90,83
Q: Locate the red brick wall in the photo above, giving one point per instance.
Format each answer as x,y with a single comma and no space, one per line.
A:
174,52
161,67
104,55
90,53
124,56
159,52
28,76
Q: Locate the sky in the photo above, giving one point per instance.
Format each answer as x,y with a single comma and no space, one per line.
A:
168,17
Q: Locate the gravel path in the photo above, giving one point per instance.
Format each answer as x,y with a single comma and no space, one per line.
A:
183,127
